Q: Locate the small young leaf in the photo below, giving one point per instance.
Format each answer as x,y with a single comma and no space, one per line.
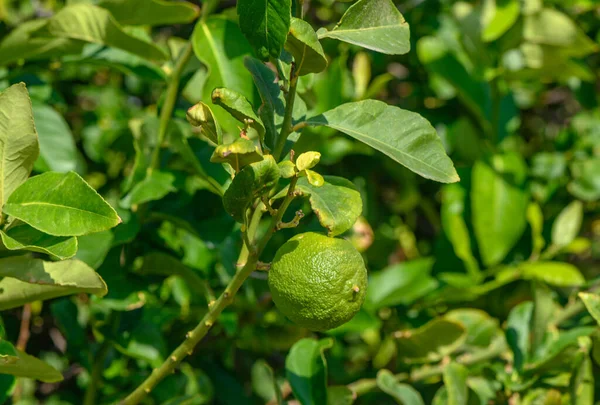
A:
306,370
403,135
373,24
24,237
455,380
239,107
61,205
287,168
251,182
592,303
265,23
566,227
202,116
314,178
303,43
155,186
238,154
308,160
151,12
90,23
27,279
18,139
15,362
402,393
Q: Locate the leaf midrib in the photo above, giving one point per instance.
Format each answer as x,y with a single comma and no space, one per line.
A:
34,203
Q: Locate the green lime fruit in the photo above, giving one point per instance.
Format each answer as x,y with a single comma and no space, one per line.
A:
318,282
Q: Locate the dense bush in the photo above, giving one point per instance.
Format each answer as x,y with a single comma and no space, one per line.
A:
213,133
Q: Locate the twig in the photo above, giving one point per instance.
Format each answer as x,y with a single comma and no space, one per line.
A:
286,127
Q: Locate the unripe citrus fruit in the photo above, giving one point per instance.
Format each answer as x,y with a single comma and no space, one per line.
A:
318,282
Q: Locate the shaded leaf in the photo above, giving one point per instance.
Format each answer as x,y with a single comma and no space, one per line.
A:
151,12
24,237
339,395
239,107
266,24
18,139
303,43
239,154
373,24
15,362
28,279
306,370
403,393
438,335
402,135
61,205
264,382
94,248
154,187
200,115
518,332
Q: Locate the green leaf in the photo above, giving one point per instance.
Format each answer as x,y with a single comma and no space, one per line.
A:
306,370
239,107
455,381
151,12
251,182
303,43
581,386
567,225
403,393
18,139
400,284
535,217
337,203
272,103
220,45
455,227
543,312
592,304
518,330
154,187
481,329
430,340
373,24
28,279
58,152
339,395
505,16
61,205
308,160
25,43
264,382
494,198
404,136
94,248
24,237
200,115
554,273
238,154
315,179
15,362
90,23
266,24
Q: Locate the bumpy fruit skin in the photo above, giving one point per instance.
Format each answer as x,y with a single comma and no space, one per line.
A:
318,282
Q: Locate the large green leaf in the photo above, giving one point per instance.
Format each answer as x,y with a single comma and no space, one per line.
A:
61,205
402,393
373,24
18,139
151,12
400,284
496,197
58,151
221,46
90,23
306,370
25,237
24,43
403,135
592,303
304,45
337,203
554,273
15,362
266,24
27,279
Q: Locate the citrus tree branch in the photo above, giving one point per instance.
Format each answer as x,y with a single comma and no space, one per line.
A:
286,127
169,104
215,308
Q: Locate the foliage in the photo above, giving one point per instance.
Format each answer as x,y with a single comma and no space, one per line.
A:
155,154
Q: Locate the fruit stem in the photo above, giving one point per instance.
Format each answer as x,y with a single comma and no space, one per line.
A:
225,299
